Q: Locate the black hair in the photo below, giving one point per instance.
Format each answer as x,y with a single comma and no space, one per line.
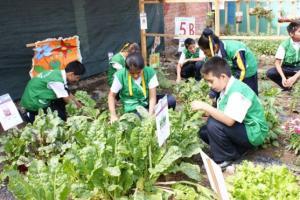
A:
76,67
217,66
293,26
135,61
130,47
188,42
203,41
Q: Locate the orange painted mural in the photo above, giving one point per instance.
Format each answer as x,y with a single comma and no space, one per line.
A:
54,53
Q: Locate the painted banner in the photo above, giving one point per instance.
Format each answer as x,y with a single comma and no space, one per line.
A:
54,53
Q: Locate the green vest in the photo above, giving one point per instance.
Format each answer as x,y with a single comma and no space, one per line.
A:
131,102
118,58
291,57
232,47
37,94
188,54
254,121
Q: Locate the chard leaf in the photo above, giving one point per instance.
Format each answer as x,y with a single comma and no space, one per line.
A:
170,157
113,171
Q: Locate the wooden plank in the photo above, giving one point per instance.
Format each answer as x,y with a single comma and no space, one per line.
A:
143,34
232,37
217,18
30,45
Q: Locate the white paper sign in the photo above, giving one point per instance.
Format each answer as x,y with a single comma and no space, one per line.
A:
162,120
221,5
215,176
143,21
184,26
9,114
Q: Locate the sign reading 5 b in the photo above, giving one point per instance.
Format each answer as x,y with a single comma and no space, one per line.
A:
185,26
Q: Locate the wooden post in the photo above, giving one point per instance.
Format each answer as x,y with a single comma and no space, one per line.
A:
226,12
143,33
217,18
248,15
294,11
269,22
257,19
279,13
238,5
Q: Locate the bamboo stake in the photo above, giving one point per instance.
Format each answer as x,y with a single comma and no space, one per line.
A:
279,13
269,22
248,15
257,19
237,25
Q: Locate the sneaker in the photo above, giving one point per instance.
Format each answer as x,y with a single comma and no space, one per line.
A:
224,164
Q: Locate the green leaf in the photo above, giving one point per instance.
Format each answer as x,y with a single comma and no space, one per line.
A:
192,171
113,171
170,157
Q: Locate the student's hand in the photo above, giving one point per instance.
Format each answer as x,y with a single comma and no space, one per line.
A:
284,82
199,105
290,81
178,80
78,104
113,118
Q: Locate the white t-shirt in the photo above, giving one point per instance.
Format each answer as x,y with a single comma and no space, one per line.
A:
116,85
116,65
183,58
237,105
59,88
281,51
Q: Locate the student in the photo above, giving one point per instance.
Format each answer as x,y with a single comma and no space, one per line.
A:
117,62
190,61
49,89
136,86
238,123
287,64
240,58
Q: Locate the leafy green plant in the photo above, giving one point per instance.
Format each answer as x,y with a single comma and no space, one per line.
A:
192,90
263,47
88,108
102,160
268,96
255,182
42,139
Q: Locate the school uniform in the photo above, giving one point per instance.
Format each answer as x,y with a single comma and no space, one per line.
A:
191,68
46,90
289,53
116,63
241,104
135,93
242,61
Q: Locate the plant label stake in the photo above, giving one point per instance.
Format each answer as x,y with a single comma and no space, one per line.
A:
9,114
215,177
162,120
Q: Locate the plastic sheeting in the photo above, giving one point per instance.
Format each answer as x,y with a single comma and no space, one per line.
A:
102,27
